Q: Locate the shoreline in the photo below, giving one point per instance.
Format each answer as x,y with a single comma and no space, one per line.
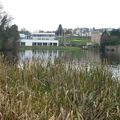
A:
48,48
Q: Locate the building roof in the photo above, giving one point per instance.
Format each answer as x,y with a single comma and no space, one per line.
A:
43,33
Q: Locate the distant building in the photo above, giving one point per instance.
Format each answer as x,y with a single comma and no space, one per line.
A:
82,32
68,31
96,37
39,39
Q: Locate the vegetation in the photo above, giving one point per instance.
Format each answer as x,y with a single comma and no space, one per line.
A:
111,38
72,40
60,31
59,91
25,32
78,42
48,48
8,34
66,37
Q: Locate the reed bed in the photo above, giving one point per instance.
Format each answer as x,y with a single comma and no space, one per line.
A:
57,92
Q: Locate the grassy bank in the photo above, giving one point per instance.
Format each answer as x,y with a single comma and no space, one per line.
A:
78,42
57,92
48,48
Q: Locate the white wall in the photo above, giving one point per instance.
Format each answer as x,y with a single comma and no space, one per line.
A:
28,42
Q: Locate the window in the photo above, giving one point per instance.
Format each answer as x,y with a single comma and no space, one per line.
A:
39,44
44,44
55,44
22,43
50,44
34,44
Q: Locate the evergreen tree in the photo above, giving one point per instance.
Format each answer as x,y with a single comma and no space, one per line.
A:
60,31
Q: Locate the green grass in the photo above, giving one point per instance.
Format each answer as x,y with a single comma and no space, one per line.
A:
48,48
78,42
58,91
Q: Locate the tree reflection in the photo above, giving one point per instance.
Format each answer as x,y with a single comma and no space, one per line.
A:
110,58
11,57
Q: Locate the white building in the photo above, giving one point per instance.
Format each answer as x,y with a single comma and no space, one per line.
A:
39,39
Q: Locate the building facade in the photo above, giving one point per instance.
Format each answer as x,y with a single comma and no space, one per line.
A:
96,37
39,39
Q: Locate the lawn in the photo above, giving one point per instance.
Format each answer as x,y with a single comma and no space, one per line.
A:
78,42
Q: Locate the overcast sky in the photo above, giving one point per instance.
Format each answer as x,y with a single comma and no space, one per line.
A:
48,14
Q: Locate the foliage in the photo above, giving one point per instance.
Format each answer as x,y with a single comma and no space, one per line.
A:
25,32
57,91
115,32
104,38
111,38
61,40
8,34
9,37
76,42
79,42
72,40
60,31
48,48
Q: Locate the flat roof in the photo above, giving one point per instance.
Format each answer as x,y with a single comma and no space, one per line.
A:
43,33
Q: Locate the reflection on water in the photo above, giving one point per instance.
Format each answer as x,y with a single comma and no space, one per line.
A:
81,56
111,58
10,56
44,55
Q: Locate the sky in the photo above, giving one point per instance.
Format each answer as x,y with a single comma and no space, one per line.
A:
48,14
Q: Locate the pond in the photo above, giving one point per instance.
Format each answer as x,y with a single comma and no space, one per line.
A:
111,60
78,55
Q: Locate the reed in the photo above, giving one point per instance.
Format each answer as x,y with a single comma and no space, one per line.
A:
57,91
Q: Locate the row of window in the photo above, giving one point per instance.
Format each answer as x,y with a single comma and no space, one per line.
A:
40,44
44,44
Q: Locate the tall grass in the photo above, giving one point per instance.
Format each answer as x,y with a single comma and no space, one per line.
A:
57,92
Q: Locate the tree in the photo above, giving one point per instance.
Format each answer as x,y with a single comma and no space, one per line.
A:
115,32
8,34
60,31
12,37
25,32
104,38
111,38
3,25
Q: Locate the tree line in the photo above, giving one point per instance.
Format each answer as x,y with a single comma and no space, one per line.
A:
9,34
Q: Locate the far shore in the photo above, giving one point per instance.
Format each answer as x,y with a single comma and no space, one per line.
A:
49,48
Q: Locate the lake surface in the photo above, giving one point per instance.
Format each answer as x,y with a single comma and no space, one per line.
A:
83,56
111,60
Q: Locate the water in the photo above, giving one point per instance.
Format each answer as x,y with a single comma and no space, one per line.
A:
111,60
83,56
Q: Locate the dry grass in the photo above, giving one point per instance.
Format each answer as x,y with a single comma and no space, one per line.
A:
54,92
